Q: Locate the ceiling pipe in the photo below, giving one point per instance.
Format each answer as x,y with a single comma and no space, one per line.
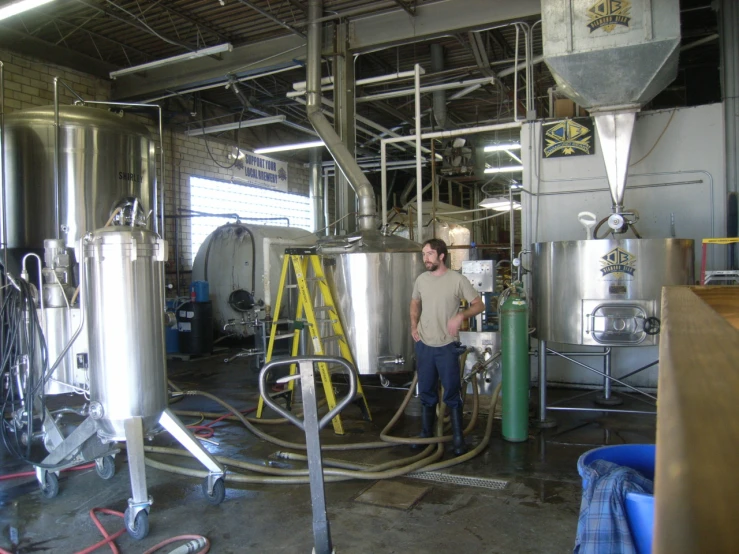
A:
344,159
437,64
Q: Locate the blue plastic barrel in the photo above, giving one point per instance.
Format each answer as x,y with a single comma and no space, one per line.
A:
201,290
639,506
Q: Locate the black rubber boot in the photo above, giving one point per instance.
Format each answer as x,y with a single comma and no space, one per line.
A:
428,417
458,431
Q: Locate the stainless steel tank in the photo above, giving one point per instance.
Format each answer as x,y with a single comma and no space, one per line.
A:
373,284
124,307
103,158
601,292
228,260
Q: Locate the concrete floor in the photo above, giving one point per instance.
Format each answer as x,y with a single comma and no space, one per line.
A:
536,512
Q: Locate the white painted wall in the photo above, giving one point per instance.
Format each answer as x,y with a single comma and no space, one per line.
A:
677,171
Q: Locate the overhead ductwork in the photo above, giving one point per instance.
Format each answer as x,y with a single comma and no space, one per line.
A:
612,58
344,158
437,65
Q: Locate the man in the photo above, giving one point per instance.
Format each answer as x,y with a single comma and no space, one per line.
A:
435,323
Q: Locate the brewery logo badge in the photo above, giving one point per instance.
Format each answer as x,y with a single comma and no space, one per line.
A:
618,262
569,137
606,14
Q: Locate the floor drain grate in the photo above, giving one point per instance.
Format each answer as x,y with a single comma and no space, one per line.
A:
480,482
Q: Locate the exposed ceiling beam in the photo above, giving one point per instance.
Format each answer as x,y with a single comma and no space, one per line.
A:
409,6
368,33
299,5
437,19
272,18
139,25
198,22
107,38
23,43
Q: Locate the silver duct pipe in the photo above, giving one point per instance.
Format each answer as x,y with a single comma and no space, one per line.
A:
315,180
338,150
437,65
729,25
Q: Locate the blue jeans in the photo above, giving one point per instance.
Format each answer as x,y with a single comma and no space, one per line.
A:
435,363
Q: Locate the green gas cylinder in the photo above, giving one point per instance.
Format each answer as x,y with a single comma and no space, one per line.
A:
514,325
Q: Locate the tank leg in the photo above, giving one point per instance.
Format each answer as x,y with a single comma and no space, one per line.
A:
175,427
69,446
543,422
607,398
140,500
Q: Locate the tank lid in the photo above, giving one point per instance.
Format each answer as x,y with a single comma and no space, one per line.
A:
367,242
82,116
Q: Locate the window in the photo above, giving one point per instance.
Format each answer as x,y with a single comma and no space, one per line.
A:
250,203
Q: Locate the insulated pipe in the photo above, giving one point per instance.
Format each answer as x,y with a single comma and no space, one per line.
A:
344,159
419,169
3,198
57,193
437,64
316,188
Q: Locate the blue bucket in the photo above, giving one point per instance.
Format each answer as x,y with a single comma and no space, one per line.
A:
639,506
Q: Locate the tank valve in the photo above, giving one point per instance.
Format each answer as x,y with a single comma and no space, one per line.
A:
616,222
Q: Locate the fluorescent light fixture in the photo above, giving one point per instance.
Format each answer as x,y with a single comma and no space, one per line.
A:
236,125
499,204
502,147
286,147
210,51
19,7
504,169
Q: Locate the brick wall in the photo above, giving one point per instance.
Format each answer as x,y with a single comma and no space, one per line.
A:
29,83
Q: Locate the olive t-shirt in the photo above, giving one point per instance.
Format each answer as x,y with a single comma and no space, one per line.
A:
440,297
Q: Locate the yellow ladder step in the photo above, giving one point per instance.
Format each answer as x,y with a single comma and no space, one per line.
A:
302,262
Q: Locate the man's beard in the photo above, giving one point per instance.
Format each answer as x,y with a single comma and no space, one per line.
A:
432,267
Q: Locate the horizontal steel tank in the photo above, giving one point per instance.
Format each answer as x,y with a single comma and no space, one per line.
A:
236,259
604,292
373,278
124,307
103,157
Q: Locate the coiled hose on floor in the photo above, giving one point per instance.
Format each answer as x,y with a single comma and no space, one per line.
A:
336,470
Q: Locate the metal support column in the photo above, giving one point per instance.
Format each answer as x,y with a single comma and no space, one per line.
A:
543,422
607,398
316,188
344,122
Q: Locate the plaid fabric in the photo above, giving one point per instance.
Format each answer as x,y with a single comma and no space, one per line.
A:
602,527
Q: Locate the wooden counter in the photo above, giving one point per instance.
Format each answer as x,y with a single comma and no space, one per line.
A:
697,467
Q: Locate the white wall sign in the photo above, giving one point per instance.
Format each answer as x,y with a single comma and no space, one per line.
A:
265,172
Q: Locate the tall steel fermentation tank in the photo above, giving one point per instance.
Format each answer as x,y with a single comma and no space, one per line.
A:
124,287
103,158
373,283
237,260
604,292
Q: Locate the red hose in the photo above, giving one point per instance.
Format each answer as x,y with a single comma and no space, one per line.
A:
108,538
33,473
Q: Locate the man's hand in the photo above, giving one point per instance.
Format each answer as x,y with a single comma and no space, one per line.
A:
453,325
415,335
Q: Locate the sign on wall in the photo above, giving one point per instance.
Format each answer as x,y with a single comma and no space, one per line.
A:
264,172
569,137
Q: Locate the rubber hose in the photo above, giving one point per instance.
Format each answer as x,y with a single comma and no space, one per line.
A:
332,475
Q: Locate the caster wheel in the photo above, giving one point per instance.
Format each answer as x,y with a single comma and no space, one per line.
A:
140,527
219,492
50,488
105,467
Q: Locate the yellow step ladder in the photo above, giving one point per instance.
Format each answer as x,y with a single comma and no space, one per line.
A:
303,260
